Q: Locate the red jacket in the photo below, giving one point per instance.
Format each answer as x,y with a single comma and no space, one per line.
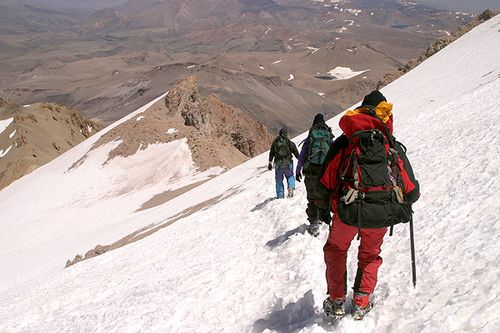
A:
350,123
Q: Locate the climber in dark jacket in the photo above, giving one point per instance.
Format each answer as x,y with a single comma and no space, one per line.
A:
312,155
281,152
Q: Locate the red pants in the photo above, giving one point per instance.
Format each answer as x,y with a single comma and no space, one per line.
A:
369,261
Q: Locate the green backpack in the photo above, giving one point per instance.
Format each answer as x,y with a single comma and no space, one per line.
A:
320,138
282,151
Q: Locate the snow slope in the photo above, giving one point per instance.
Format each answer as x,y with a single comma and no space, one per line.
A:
73,204
243,262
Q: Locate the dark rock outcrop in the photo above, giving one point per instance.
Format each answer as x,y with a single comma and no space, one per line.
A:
211,117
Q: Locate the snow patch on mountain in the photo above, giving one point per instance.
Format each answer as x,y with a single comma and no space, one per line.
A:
4,152
5,123
172,131
345,73
314,49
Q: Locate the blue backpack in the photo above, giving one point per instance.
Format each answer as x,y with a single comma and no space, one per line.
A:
320,138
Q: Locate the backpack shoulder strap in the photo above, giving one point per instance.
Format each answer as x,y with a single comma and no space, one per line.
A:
338,147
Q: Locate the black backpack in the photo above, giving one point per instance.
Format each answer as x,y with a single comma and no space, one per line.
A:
371,187
282,152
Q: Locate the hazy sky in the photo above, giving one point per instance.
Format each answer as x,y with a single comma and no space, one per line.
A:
467,5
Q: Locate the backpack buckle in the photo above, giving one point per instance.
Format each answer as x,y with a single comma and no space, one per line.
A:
393,156
351,196
399,194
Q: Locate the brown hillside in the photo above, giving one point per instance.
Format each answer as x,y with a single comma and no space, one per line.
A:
217,134
36,134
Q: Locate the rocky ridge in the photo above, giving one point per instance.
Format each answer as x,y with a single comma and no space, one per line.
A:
217,134
36,134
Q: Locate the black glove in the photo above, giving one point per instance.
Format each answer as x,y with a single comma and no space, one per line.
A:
298,176
269,166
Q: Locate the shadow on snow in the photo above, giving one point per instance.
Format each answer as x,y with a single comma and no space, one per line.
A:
278,241
262,204
293,317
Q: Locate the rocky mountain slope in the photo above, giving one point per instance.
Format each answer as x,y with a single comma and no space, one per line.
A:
112,61
218,135
33,135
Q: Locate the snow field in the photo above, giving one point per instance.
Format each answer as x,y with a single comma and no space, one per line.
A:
243,262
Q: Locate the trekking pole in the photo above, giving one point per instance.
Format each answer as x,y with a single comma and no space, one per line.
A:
412,244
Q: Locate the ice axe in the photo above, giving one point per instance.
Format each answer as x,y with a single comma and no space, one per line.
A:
413,262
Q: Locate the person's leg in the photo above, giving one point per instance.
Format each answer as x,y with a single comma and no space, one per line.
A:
280,189
324,215
335,254
312,209
290,178
320,197
369,260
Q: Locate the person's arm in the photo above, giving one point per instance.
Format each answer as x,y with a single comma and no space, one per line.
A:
271,153
271,157
340,143
302,156
329,178
411,184
294,150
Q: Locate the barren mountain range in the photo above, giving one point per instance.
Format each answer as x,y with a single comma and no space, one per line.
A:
253,66
253,54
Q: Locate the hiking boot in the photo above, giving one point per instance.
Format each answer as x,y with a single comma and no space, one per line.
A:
334,308
361,305
290,192
313,228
